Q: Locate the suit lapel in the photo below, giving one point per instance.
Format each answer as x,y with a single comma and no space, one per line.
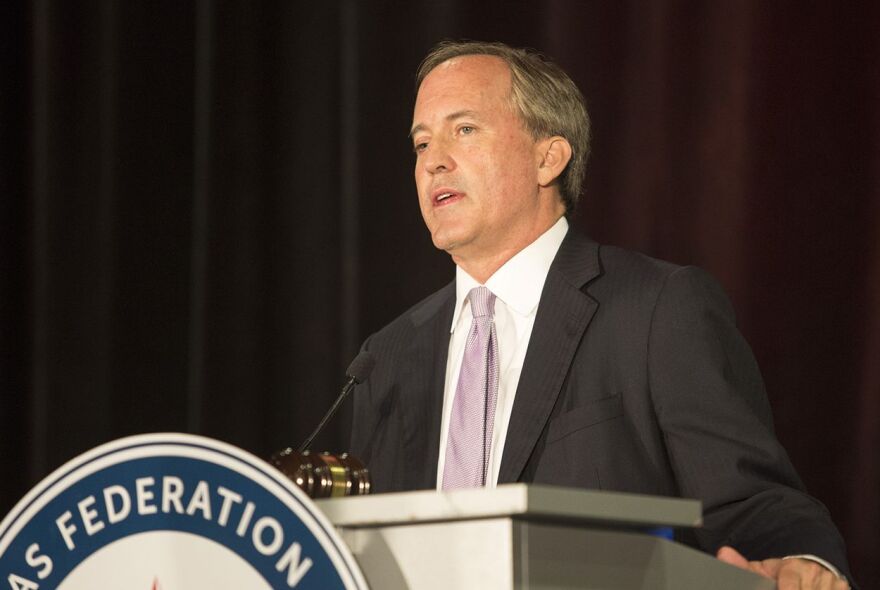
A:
563,315
423,403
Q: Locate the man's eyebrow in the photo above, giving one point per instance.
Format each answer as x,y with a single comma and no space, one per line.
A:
450,117
418,128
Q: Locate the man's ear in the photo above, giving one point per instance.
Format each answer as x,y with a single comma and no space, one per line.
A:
553,156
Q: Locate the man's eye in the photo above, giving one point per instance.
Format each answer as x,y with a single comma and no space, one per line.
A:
466,130
420,147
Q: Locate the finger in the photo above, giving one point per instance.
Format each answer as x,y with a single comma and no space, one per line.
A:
830,581
731,556
771,567
793,574
789,578
728,554
824,580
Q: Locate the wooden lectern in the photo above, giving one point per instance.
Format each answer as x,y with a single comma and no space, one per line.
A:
527,536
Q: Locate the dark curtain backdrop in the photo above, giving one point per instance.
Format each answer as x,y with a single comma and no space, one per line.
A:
206,206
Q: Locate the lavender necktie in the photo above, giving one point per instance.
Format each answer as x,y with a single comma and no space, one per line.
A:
473,410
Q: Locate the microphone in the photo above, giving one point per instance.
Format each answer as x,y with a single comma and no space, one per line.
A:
324,475
357,373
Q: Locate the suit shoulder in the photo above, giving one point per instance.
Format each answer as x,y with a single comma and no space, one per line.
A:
401,328
648,279
629,277
627,264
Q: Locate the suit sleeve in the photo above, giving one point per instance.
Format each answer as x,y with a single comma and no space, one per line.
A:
710,401
375,435
364,418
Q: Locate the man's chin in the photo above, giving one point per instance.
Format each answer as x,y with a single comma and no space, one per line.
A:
444,241
452,240
450,245
447,247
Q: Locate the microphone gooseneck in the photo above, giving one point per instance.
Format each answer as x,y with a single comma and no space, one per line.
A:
357,372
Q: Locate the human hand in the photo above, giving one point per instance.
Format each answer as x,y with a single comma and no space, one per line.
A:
789,574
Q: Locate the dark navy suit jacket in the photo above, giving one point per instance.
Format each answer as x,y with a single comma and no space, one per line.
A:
636,379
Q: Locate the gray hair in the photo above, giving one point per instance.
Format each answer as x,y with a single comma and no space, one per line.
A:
548,101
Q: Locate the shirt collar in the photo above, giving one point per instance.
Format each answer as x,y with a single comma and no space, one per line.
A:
520,280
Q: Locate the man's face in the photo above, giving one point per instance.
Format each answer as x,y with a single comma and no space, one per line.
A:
476,165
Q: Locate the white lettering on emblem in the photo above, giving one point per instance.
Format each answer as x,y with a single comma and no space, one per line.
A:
271,548
35,560
89,515
115,514
144,495
295,569
228,498
172,491
201,500
67,530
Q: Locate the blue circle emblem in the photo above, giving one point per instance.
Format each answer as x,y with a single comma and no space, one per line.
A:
169,511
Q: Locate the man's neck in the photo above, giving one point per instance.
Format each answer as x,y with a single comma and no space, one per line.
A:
482,267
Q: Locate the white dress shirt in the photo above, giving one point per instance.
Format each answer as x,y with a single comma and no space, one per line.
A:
517,286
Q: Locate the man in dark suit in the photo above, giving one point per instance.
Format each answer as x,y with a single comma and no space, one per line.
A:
594,367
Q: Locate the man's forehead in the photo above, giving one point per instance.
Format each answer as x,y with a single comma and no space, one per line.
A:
488,67
463,84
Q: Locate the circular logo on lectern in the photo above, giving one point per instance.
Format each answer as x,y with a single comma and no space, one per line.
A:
169,512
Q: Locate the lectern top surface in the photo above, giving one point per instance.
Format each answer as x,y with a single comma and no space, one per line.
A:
521,501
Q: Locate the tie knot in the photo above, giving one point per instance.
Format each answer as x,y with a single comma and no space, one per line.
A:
482,302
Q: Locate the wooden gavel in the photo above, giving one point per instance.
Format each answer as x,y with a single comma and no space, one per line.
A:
323,475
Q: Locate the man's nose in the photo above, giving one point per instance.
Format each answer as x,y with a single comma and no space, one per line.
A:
438,157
